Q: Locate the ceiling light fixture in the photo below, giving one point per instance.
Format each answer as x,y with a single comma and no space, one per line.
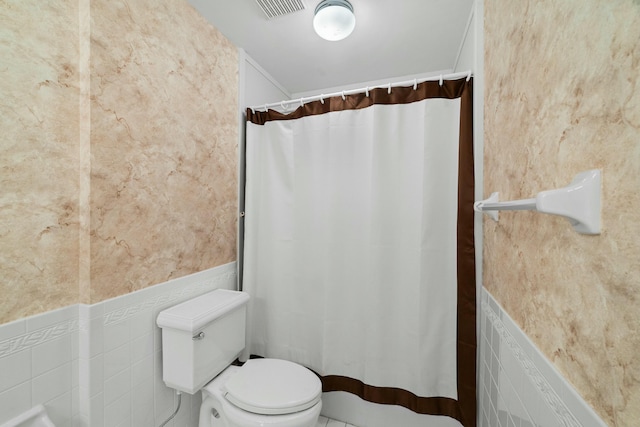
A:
334,19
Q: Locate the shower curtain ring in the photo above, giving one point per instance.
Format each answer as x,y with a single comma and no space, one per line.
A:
322,98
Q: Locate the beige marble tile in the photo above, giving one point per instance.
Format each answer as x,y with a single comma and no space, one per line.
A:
163,145
84,159
563,96
119,149
39,156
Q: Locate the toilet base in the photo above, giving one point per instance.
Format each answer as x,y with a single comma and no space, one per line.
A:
231,416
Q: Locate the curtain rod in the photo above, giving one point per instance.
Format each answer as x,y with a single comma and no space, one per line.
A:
365,89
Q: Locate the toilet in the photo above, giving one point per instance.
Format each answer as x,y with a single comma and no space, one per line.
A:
202,337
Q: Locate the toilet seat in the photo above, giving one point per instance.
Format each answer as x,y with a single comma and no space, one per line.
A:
273,387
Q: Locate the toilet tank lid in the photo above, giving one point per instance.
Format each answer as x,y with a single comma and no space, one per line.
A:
194,314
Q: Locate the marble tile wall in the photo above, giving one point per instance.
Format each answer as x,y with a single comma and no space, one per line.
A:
39,172
517,385
164,125
119,149
562,95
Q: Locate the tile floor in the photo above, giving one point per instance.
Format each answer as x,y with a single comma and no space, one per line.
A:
328,422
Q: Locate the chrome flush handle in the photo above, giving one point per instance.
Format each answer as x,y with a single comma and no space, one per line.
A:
198,336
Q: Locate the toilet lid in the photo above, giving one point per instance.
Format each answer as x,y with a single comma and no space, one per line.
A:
273,387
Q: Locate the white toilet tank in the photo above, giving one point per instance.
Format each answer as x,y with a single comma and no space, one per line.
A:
201,337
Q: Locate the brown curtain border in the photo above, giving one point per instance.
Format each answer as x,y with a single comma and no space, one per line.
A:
464,409
466,265
450,89
393,396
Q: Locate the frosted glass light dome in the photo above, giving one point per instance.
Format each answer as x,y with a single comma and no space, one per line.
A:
334,19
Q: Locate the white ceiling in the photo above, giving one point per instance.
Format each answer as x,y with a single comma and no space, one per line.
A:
392,38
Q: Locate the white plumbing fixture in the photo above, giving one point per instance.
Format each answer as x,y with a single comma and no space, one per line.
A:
579,202
34,417
200,340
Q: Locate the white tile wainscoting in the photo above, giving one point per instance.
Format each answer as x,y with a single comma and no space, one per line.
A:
518,386
39,364
100,366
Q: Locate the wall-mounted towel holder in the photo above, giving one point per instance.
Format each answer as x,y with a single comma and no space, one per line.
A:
579,202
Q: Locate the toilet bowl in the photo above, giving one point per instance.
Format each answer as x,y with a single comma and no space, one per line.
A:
200,340
230,398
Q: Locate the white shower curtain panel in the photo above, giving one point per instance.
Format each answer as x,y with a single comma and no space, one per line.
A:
350,248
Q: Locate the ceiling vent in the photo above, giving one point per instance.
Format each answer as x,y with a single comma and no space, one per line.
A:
275,8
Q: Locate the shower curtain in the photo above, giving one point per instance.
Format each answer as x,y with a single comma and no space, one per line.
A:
359,253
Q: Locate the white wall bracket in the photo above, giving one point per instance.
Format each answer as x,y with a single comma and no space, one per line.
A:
579,202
